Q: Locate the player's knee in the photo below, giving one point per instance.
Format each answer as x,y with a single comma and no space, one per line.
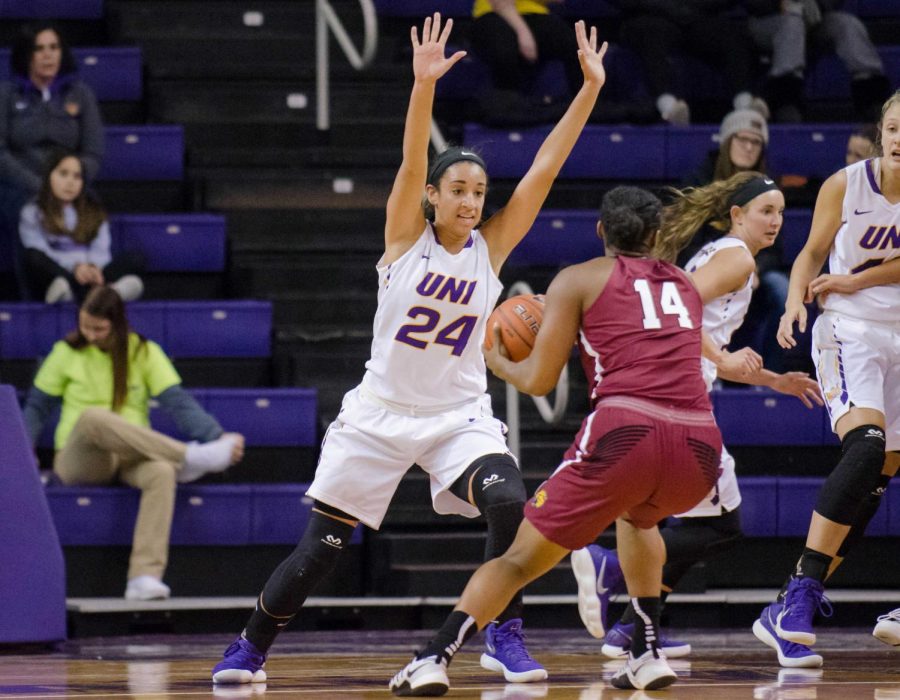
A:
496,480
855,477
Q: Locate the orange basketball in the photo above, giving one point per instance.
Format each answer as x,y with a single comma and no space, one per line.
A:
519,318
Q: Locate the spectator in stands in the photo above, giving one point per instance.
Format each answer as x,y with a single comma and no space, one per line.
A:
43,107
657,29
748,207
861,144
66,243
103,376
788,29
514,38
856,354
743,139
422,399
648,447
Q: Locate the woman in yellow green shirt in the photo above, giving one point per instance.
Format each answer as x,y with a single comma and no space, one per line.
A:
103,375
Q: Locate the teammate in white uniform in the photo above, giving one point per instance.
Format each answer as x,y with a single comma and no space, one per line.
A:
422,399
856,350
749,208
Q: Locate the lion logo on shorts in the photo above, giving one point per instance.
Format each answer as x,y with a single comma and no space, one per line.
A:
540,498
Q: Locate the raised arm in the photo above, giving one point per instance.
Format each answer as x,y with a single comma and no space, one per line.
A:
405,219
825,224
508,226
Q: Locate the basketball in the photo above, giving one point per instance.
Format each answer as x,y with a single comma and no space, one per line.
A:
519,318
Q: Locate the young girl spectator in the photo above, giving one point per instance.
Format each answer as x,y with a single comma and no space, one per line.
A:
103,375
66,240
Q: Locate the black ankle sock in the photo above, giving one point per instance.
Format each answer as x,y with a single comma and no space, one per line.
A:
812,564
457,629
646,628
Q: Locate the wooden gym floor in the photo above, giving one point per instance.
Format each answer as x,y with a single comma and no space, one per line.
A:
725,664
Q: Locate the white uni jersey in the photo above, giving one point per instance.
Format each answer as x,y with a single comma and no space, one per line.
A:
869,235
429,326
725,314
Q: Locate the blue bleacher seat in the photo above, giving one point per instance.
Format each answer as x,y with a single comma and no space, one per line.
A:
687,149
88,515
28,329
214,514
51,9
777,419
797,498
794,232
759,505
813,150
218,329
226,328
172,242
281,513
559,237
276,417
143,152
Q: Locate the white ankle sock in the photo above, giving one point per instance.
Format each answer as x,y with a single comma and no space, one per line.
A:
200,459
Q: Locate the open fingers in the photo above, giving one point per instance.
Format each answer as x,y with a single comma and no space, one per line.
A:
446,33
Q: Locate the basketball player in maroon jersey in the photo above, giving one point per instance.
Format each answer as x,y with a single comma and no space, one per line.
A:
648,449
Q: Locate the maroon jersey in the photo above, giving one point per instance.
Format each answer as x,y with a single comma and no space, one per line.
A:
641,337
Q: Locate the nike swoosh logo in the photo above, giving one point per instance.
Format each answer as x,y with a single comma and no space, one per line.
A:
858,212
601,589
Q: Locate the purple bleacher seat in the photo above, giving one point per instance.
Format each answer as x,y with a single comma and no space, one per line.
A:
212,514
143,152
32,574
559,237
423,8
28,329
281,514
875,8
813,150
794,232
610,152
218,328
114,73
830,438
51,9
172,242
759,505
892,495
687,149
279,417
796,500
751,417
94,515
149,319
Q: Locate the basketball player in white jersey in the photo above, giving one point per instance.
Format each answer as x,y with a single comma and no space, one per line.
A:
749,208
423,398
856,350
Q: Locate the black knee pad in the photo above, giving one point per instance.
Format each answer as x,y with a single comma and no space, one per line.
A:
856,475
866,512
495,480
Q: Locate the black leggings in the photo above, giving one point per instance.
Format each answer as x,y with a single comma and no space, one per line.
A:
41,270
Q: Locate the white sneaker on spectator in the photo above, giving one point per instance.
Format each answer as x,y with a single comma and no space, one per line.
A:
146,588
673,110
888,628
58,291
129,287
209,457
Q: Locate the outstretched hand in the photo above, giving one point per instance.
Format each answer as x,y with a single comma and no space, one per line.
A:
429,62
800,385
589,56
792,314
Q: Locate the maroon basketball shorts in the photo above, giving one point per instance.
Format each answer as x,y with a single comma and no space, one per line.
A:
632,459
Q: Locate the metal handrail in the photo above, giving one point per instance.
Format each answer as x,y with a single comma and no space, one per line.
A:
551,414
326,18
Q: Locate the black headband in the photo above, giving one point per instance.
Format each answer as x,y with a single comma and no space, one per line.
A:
750,190
447,158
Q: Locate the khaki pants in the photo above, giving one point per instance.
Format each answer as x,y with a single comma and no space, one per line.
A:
104,448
